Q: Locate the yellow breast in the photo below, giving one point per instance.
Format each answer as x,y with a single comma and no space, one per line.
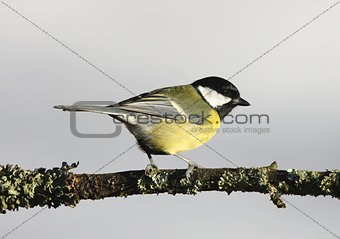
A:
179,136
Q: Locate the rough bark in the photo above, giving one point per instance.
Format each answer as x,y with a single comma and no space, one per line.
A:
59,186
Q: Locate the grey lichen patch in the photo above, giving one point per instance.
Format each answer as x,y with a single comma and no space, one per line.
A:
153,180
260,176
299,177
231,181
189,187
242,178
330,182
159,181
258,179
25,188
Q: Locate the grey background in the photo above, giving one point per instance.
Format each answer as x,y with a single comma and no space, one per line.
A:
151,44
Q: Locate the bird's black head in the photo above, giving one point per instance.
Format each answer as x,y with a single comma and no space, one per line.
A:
219,94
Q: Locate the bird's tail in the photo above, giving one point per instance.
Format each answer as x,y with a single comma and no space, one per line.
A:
90,108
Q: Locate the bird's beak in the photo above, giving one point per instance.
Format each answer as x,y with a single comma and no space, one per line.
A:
241,102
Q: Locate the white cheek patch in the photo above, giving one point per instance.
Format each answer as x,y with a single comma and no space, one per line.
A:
214,98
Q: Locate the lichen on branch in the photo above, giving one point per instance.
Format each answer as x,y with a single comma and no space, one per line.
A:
59,186
25,188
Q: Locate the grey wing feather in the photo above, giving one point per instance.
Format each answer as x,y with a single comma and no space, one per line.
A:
91,108
148,103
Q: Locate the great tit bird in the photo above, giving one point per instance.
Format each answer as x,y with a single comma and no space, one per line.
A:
174,119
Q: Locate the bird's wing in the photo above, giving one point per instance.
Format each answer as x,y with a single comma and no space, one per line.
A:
152,103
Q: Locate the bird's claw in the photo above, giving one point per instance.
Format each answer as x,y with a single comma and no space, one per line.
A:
150,167
190,169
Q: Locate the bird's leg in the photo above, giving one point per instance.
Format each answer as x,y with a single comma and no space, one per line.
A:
191,165
151,165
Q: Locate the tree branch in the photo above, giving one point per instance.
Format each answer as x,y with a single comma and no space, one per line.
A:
57,186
